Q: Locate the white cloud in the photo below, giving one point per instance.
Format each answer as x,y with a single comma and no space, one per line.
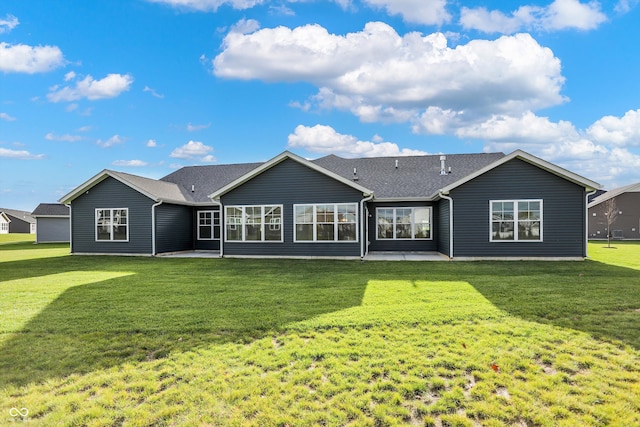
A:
151,143
66,137
429,12
193,128
618,131
109,87
559,15
7,117
114,140
69,76
209,5
359,71
324,139
21,58
625,6
153,92
194,150
130,163
8,23
19,154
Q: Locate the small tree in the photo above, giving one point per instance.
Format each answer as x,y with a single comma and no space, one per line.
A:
610,212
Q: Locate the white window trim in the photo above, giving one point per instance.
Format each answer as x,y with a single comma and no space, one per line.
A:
430,208
335,223
515,220
263,225
213,224
95,225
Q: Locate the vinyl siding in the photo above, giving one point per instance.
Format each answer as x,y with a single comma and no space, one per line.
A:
286,184
107,194
628,222
49,230
174,228
563,212
443,230
399,244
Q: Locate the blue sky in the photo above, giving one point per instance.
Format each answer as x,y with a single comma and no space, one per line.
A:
148,86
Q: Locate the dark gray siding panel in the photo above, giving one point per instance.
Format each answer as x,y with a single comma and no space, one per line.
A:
50,230
443,230
174,228
111,193
563,212
626,224
18,225
286,184
402,245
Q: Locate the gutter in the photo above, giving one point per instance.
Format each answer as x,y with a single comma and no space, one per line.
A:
444,196
364,237
153,227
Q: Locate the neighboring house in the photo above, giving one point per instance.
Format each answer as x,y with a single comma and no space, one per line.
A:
463,205
15,221
627,222
52,223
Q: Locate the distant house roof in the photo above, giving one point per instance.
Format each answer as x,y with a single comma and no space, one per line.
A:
631,188
23,215
51,209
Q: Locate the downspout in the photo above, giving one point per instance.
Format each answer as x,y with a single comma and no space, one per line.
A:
586,222
364,238
70,229
153,227
223,226
450,222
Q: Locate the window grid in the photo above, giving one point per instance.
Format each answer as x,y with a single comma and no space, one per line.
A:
208,225
325,222
253,223
112,225
403,223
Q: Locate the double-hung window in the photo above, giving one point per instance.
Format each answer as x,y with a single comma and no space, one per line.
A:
516,220
403,223
326,222
208,225
112,225
253,223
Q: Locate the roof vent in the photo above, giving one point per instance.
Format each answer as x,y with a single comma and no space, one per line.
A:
355,174
396,163
193,188
443,167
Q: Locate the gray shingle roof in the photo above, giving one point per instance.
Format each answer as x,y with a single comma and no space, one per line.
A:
51,209
23,215
206,179
415,176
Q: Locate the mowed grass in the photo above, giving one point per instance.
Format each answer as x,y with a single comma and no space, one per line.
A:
156,341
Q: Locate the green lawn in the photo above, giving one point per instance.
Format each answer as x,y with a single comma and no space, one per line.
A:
155,341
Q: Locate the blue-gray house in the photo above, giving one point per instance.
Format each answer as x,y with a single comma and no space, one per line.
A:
465,206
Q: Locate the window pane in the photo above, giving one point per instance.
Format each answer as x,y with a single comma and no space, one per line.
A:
273,220
103,223
325,213
346,231
325,232
253,223
119,232
502,230
347,213
204,232
403,223
304,214
385,223
234,223
421,225
529,230
304,232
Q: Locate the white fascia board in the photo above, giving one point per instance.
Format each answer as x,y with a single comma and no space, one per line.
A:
529,158
278,159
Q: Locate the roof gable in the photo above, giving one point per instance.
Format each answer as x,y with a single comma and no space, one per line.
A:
529,158
279,159
51,209
152,188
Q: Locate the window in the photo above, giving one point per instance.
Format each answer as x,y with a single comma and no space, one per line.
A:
253,223
112,225
516,220
328,222
208,225
403,223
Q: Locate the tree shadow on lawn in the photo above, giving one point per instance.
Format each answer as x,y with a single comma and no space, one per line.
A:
147,313
597,298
